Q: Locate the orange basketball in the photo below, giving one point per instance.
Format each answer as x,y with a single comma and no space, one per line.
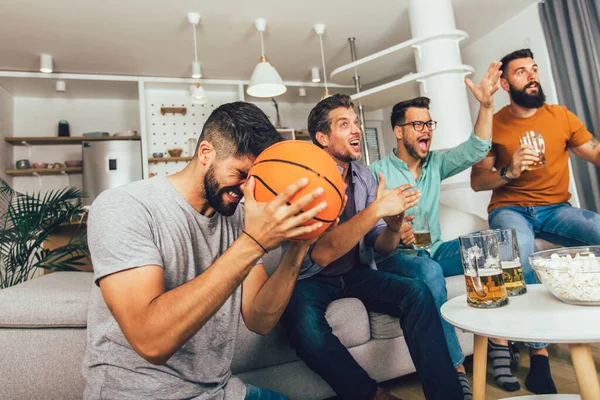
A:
284,163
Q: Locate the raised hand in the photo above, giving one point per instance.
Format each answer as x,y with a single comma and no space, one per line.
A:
485,89
393,202
272,223
522,158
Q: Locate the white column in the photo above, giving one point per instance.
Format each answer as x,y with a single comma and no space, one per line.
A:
447,91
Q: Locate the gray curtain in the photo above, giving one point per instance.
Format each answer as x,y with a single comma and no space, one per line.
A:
572,31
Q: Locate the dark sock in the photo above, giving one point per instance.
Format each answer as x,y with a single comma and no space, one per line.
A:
500,356
539,380
466,387
515,354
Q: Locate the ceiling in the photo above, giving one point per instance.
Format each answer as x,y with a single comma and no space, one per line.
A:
153,38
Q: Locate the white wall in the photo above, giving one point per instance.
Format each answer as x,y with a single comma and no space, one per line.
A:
36,116
524,30
6,129
293,115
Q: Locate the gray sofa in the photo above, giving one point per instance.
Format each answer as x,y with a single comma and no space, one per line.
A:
43,339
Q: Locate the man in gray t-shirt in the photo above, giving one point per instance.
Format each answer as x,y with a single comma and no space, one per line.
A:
169,256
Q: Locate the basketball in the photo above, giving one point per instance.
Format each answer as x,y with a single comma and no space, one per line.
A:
283,163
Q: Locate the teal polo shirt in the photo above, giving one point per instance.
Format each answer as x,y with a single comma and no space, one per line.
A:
437,166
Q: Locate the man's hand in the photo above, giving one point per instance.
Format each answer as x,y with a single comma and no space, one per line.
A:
484,90
407,236
521,159
393,202
272,223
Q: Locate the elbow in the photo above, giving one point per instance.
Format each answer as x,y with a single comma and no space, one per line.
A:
260,328
262,331
475,185
154,354
321,258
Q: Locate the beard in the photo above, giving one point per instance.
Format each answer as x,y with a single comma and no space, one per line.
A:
411,148
345,157
214,193
526,100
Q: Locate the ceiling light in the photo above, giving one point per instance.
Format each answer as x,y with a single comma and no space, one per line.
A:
265,80
46,63
302,92
194,19
316,75
197,94
320,30
61,86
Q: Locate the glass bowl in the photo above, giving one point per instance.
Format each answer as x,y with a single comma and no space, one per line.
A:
572,273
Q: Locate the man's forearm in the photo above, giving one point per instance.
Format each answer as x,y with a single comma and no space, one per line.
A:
482,179
173,317
483,125
272,299
344,237
387,241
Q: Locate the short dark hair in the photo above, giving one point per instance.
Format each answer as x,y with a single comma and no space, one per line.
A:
239,129
515,55
319,119
399,111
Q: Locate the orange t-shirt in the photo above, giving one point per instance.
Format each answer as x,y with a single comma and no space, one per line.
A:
561,129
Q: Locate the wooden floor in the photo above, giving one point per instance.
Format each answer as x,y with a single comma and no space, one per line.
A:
409,387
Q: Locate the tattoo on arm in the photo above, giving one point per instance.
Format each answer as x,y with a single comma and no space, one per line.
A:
593,143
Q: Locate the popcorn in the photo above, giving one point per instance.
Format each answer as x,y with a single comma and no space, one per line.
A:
573,279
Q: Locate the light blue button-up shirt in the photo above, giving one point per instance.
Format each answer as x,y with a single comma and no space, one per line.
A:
436,167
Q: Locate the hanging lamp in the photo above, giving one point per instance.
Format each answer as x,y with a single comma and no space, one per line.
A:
265,80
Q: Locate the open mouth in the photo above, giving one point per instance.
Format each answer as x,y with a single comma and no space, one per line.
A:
533,85
424,143
355,144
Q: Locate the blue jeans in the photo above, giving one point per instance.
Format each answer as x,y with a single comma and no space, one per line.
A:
312,337
432,271
255,393
559,223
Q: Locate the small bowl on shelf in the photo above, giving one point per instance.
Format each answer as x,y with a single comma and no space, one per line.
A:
74,163
175,152
572,274
157,155
22,164
39,165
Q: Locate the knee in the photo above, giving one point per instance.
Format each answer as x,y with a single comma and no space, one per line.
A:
308,329
419,295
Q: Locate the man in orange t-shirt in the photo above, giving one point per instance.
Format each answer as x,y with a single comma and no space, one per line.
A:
535,201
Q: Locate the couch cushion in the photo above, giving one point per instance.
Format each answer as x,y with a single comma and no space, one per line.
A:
385,326
347,317
58,299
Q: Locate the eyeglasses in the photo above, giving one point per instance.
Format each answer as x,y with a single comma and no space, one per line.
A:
420,125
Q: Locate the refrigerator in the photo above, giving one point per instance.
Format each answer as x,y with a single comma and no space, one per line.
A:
108,164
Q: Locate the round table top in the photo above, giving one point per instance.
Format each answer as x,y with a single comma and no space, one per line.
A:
536,316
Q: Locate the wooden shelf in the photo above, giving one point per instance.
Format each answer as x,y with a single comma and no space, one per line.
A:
406,87
44,171
54,140
388,62
168,159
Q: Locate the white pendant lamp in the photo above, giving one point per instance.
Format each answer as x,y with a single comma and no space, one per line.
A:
320,30
197,93
46,63
315,74
265,80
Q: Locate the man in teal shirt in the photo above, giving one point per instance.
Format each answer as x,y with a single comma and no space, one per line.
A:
412,162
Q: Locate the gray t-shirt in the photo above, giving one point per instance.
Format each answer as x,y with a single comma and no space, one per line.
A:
149,223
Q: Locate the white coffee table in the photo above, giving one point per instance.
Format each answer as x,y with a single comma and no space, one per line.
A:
537,316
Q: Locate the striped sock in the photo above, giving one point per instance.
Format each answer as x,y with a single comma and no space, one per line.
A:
464,382
500,357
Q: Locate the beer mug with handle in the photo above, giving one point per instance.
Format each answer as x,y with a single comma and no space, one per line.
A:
483,272
512,273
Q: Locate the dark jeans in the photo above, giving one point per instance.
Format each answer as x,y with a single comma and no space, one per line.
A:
410,300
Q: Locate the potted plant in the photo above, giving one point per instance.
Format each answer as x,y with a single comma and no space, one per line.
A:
26,222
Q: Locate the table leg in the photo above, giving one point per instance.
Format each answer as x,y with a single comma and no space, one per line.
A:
585,370
479,367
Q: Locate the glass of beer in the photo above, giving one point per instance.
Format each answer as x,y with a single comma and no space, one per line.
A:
536,142
420,226
483,273
511,262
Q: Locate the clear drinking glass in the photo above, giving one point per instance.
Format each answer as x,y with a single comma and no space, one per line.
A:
511,262
420,227
483,273
536,141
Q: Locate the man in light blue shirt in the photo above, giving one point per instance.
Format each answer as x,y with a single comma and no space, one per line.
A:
412,162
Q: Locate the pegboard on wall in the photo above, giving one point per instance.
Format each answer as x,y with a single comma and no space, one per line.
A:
171,131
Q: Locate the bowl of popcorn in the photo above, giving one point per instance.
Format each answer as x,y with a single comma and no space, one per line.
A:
572,274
